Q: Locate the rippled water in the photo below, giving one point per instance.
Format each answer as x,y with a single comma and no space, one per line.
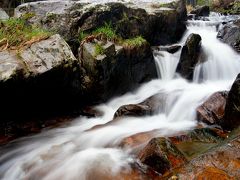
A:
80,151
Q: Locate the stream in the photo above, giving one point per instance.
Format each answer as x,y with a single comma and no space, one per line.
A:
89,147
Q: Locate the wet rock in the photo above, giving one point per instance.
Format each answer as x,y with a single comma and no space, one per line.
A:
3,15
212,110
171,49
201,11
91,112
230,34
137,141
161,155
133,110
45,73
195,142
191,55
220,162
156,24
153,104
231,118
116,69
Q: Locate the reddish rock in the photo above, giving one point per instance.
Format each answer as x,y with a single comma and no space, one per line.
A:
221,162
231,118
137,140
212,110
196,142
161,155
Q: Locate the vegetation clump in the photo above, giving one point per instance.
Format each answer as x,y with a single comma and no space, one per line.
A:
99,50
134,42
17,32
108,31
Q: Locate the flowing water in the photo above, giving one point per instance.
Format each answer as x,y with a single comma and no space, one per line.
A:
80,151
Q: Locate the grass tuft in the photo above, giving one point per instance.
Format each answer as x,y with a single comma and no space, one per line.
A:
99,50
18,33
108,31
134,42
82,35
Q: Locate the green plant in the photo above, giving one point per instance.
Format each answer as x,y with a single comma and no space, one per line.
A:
134,42
18,32
28,16
107,30
99,50
82,35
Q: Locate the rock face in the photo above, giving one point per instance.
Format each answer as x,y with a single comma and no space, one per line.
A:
157,25
201,11
161,155
230,34
3,14
212,110
117,70
231,118
46,73
191,55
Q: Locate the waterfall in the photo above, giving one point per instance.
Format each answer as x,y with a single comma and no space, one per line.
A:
166,64
88,148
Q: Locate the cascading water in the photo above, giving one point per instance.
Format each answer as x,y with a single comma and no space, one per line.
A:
80,151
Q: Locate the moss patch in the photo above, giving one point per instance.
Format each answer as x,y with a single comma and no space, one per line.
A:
99,50
134,42
18,33
108,31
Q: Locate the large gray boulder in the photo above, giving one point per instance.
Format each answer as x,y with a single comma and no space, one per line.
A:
230,34
38,78
156,23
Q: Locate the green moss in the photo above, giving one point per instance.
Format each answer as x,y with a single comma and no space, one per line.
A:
202,2
233,8
28,15
109,33
163,5
82,35
18,32
134,42
107,30
99,50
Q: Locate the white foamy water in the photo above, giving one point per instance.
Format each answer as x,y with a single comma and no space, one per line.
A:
88,147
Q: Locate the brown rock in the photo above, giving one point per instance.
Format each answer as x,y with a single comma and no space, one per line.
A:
231,118
222,163
137,140
150,106
161,155
212,110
